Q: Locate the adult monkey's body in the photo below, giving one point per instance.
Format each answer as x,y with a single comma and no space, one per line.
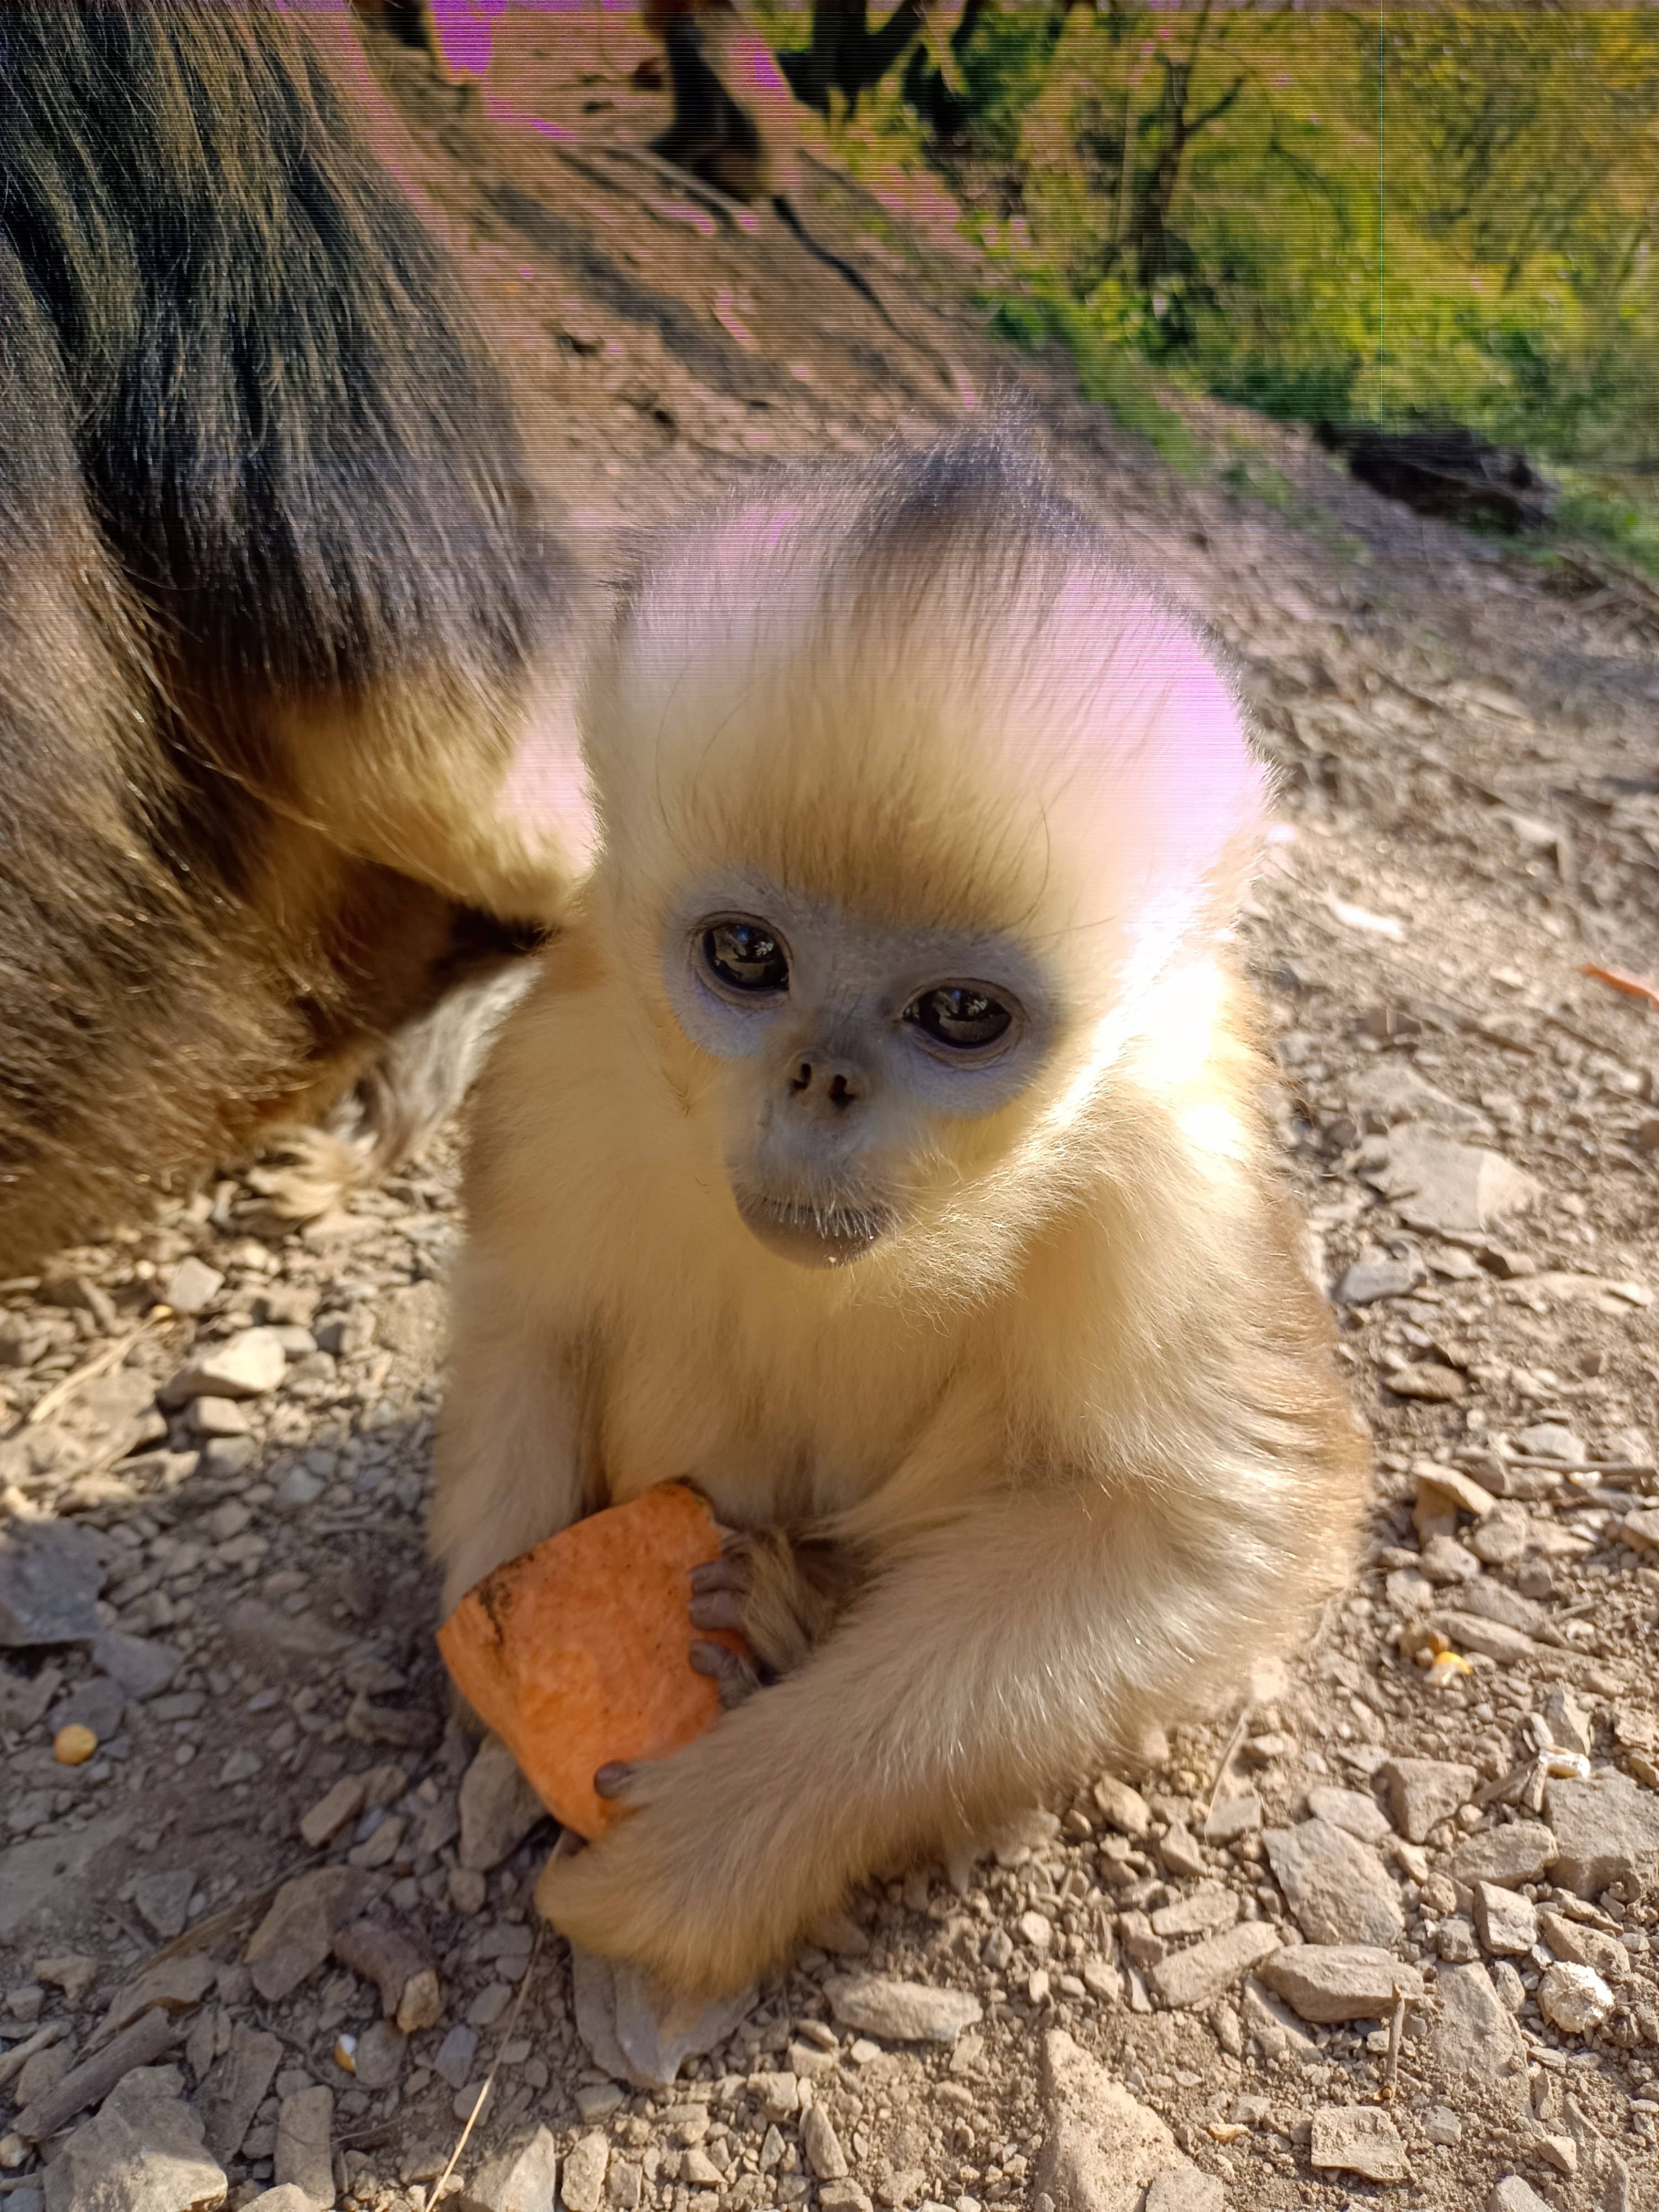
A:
274,613
882,1150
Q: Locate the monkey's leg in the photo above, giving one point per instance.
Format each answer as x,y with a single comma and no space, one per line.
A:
998,1657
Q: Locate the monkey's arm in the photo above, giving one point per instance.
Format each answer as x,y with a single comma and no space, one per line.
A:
513,1462
998,1654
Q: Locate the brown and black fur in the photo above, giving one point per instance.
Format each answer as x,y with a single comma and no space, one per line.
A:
273,605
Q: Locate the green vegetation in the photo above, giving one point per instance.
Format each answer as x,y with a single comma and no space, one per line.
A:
1453,219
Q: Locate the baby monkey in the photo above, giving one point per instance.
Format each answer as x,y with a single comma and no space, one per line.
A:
882,1151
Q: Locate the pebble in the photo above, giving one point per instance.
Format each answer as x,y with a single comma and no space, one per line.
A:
1442,2127
1335,1887
191,1287
51,1573
518,2179
1440,1186
584,2174
381,2049
1606,1833
1500,1540
1359,2139
1507,1921
237,2087
296,1934
453,2063
1232,1817
1350,1809
1374,1275
163,1901
144,2153
903,2011
822,2145
498,1807
1573,1998
1552,1440
1126,1808
1199,1975
1474,2037
1204,1911
303,2157
1491,1639
1524,1850
219,1417
1327,1983
1512,2194
1102,2150
1444,1561
249,1364
1579,1945
332,1813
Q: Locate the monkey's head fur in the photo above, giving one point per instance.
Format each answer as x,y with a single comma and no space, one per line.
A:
916,813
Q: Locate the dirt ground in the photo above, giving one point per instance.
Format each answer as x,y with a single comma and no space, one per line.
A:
1469,816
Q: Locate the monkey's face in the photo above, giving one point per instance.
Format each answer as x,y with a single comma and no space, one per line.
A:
850,1050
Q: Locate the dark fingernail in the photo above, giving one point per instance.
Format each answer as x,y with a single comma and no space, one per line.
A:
610,1781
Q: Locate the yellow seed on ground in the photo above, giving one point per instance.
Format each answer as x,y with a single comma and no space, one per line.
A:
73,1745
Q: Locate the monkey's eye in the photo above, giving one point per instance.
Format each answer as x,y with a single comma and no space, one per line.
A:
746,956
961,1016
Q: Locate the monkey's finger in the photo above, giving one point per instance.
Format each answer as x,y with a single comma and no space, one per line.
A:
728,1574
569,1844
734,1678
736,1543
612,1779
720,1609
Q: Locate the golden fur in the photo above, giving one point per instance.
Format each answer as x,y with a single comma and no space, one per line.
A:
1074,1430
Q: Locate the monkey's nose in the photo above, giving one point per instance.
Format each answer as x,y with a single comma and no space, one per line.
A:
833,1084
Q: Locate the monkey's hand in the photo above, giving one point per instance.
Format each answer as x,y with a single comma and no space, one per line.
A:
784,1594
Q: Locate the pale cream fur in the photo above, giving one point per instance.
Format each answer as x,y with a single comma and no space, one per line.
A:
1077,1420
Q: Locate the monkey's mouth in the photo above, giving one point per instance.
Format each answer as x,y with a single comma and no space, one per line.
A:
813,1236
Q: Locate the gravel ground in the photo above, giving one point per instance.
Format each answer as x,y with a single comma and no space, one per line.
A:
1386,1932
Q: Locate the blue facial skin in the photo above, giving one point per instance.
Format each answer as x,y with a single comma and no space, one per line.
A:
853,1034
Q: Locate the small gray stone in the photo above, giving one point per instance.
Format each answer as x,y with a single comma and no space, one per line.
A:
381,2049
304,2156
1446,1562
1514,2195
1186,2189
903,2012
1359,2139
1204,1911
498,1807
1506,1920
1330,1981
1333,1885
1573,1998
144,2153
51,1573
287,2198
192,1287
1470,1632
414,1322
1201,1973
1442,2127
97,1704
1552,1440
294,1937
1474,2037
249,1364
219,1419
522,2178
1374,1275
1488,1600
1524,1850
1232,1817
163,1900
1502,1538
1458,1942
1351,1809
1440,1185
453,2063
1101,2150
1126,1808
1570,1727
822,2144
584,2174
1607,1835
1424,1792
237,2087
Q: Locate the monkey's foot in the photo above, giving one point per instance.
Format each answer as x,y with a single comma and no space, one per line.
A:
783,1595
